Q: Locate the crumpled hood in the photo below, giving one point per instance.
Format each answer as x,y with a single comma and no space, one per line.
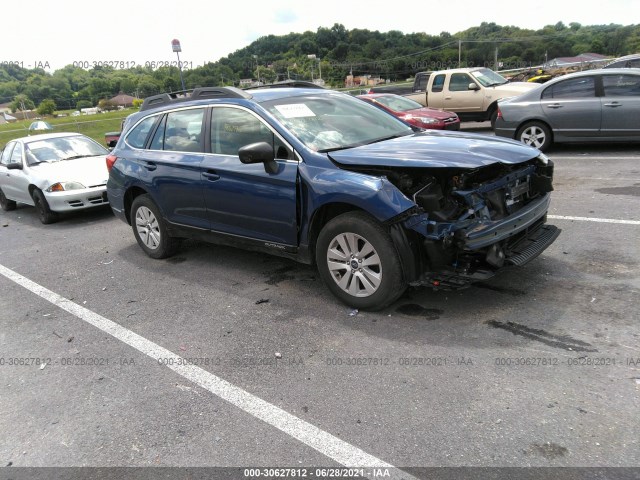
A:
437,149
89,171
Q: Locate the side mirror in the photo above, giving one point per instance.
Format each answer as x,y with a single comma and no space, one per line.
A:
14,166
473,86
260,152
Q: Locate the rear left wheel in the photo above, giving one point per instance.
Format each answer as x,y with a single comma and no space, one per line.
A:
150,229
5,203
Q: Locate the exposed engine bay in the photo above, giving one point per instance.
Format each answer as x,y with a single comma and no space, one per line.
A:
467,223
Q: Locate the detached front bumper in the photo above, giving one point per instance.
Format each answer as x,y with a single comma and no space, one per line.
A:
486,233
455,255
77,199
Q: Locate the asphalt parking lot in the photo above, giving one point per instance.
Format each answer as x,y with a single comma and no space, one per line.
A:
539,367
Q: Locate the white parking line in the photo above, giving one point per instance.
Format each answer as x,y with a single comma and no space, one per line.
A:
325,443
597,220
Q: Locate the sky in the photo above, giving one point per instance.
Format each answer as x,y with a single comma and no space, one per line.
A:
126,33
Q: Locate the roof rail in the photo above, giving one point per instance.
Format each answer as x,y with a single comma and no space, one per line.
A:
288,84
195,94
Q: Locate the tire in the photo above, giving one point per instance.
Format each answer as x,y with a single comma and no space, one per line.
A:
535,134
6,204
358,240
150,229
493,116
42,206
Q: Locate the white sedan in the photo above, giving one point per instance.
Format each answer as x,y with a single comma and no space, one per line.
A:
55,172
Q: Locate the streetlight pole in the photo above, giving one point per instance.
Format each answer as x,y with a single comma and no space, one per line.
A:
175,46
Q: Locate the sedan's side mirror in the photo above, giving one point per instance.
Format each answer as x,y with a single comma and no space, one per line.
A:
473,86
14,166
259,152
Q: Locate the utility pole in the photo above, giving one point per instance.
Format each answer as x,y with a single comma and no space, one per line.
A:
459,53
495,60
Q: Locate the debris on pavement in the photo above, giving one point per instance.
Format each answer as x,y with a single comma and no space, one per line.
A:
353,312
262,300
278,355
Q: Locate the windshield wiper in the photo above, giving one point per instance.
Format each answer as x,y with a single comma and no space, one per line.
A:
390,137
76,156
497,83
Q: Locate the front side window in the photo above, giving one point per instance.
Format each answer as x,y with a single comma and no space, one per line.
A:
334,121
233,128
582,87
6,154
459,82
16,155
621,85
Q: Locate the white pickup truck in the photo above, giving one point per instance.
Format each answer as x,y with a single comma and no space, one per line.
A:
472,93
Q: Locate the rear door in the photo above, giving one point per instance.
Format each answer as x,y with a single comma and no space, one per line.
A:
245,200
170,166
572,108
621,106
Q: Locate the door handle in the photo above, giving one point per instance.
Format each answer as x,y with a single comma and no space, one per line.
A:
211,175
555,105
613,104
150,166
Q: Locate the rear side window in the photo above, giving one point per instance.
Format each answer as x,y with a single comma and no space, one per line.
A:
438,83
621,85
583,87
183,130
422,82
137,137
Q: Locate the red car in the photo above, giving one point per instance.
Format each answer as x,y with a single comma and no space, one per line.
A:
412,112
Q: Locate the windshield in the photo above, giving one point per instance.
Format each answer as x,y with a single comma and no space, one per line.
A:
333,121
488,78
398,103
62,148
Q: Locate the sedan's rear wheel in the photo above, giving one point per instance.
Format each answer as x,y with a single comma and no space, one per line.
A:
358,261
44,212
5,203
535,134
150,229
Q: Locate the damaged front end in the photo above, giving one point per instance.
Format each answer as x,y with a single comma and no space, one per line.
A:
469,223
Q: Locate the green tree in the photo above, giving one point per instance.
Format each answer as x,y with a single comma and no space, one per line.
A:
47,107
21,102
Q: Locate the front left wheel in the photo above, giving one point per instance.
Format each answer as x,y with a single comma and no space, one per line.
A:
358,262
150,229
46,215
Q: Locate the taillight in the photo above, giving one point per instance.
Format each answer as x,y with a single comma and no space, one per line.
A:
499,113
111,161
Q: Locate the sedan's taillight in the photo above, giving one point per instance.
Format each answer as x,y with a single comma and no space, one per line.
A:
111,160
499,113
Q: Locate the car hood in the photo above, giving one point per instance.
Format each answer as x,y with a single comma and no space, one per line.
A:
437,149
516,88
89,171
429,112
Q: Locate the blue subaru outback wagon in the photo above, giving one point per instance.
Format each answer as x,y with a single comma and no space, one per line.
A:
322,177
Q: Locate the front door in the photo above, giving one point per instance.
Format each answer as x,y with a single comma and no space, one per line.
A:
245,200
